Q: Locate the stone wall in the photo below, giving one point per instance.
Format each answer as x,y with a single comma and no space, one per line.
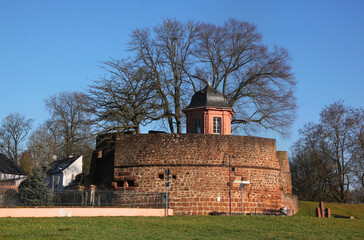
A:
285,174
199,183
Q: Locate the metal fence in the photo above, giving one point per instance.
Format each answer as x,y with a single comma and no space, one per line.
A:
96,198
108,198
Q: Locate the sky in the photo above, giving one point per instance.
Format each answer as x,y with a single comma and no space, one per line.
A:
47,47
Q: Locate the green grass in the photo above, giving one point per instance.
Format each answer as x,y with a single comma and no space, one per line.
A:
306,209
300,226
182,227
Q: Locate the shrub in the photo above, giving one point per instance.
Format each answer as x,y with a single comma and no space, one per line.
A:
11,198
34,191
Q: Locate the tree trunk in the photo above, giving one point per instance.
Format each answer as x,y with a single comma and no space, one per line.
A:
177,103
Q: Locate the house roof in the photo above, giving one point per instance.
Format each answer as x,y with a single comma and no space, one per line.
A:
208,97
8,166
60,165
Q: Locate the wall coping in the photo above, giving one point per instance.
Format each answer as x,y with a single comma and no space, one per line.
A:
83,212
195,134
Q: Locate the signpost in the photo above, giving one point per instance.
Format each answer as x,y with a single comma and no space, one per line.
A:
167,185
242,198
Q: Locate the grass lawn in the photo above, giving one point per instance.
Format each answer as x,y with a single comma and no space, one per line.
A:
309,209
301,226
182,227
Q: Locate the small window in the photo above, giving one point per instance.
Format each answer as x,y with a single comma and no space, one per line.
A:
161,176
120,183
174,176
56,182
196,125
233,169
131,183
217,125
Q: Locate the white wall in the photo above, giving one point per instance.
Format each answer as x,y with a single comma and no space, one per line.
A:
17,178
70,173
67,176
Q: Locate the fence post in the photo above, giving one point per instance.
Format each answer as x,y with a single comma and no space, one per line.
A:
86,197
92,195
82,199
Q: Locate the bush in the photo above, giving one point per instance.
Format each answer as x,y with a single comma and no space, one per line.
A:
11,198
34,191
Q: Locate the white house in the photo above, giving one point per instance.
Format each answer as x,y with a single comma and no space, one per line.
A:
62,172
10,173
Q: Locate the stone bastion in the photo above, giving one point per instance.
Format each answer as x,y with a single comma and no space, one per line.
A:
199,171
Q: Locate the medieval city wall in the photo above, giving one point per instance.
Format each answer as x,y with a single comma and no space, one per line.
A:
198,179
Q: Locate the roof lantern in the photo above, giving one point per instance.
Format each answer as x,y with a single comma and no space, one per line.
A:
208,113
208,97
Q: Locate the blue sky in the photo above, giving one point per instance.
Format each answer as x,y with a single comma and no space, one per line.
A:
51,46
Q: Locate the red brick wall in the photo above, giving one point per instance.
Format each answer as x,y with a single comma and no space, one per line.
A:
195,160
286,181
206,116
192,114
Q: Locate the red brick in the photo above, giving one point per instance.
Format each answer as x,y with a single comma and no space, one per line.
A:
196,160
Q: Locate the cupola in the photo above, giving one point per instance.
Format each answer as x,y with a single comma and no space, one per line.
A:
208,113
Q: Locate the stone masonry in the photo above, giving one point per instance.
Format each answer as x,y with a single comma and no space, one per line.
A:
199,183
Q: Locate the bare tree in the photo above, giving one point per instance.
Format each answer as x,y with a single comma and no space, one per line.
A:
338,122
357,146
337,146
166,51
14,129
125,99
70,124
257,82
43,145
312,172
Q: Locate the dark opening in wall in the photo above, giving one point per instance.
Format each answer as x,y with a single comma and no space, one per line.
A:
161,176
174,176
131,183
233,169
120,183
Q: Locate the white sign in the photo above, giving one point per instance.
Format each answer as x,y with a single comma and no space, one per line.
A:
243,182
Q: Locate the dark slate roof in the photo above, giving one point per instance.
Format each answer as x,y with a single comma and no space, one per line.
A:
208,97
60,165
8,166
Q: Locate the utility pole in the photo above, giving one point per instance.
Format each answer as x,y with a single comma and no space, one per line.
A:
229,185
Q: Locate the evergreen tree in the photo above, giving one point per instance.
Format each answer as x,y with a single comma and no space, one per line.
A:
34,190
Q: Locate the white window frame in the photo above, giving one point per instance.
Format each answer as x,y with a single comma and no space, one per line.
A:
217,125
